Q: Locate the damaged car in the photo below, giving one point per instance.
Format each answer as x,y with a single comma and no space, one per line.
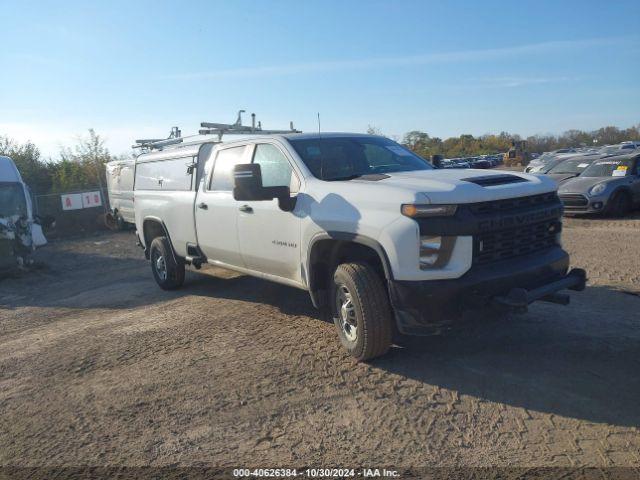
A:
20,232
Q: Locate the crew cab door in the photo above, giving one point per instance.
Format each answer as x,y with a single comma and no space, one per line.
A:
269,237
635,185
216,211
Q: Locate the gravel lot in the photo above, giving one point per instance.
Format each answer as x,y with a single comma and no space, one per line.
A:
98,366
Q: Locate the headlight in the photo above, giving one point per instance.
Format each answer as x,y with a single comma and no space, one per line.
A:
413,211
597,189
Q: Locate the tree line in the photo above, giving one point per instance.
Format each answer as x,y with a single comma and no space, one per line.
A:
77,167
468,145
82,165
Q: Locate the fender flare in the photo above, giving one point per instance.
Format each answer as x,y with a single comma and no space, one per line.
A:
345,237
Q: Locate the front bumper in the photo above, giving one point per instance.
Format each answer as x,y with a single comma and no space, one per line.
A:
578,203
427,307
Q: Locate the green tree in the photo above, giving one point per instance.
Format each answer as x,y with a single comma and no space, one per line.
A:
83,165
34,171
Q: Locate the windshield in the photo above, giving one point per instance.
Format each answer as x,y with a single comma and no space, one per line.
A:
570,166
344,158
12,200
544,158
608,168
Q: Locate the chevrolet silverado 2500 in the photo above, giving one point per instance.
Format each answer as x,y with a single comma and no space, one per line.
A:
376,235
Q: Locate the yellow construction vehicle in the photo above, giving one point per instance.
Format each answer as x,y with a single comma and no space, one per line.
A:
517,154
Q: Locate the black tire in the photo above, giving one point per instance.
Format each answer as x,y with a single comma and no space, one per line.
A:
370,311
620,204
172,275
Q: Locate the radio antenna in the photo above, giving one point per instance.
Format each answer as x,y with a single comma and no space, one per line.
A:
321,157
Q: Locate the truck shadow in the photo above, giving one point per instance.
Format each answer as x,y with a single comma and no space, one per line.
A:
288,300
580,362
80,280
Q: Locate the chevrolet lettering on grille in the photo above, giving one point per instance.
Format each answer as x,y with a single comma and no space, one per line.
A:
519,220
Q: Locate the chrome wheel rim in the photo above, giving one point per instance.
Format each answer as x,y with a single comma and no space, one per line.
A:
161,268
346,313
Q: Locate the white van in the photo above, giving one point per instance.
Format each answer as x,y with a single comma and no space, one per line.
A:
120,174
20,234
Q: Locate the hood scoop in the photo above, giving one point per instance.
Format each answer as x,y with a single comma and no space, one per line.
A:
493,180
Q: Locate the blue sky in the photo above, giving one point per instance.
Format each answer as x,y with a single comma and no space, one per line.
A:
133,69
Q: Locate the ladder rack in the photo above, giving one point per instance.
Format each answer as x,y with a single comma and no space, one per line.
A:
209,128
237,128
158,143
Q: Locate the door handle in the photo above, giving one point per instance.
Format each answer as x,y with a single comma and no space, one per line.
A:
203,206
246,209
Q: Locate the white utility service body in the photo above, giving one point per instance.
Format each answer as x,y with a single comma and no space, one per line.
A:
325,222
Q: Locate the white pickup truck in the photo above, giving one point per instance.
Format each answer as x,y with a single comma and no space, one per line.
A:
378,236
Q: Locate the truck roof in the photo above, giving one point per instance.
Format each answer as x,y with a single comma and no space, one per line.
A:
303,136
191,145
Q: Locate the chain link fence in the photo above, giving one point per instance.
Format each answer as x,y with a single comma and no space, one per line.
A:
74,212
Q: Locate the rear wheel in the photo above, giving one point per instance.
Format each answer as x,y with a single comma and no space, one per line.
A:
361,311
168,273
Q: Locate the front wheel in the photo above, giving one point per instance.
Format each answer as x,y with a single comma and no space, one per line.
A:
168,273
361,310
620,204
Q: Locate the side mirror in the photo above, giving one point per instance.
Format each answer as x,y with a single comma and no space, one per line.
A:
247,186
436,161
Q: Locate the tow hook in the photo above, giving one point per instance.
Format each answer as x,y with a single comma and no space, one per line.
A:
519,298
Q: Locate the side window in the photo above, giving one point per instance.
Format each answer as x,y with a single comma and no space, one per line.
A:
276,169
222,177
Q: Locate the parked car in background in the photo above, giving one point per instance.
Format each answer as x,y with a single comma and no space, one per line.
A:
120,175
480,163
547,160
621,148
608,185
455,163
570,168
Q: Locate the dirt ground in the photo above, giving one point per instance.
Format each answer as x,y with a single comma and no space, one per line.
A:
98,366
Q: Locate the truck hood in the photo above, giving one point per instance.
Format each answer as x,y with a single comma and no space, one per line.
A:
457,186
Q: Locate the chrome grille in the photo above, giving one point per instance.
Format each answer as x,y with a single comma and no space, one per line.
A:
574,200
